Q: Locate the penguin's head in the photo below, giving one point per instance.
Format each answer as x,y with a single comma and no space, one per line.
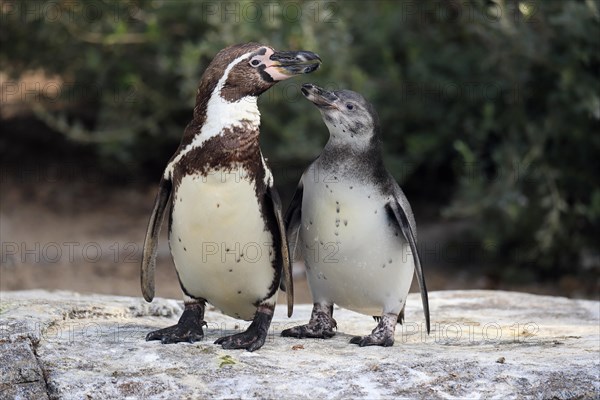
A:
348,116
250,69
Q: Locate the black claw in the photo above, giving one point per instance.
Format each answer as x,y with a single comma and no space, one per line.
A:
188,329
254,337
177,333
356,340
245,340
221,340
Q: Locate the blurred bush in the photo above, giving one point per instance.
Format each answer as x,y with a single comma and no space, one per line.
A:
490,109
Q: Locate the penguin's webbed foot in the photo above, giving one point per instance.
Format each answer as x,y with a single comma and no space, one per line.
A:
177,333
254,337
321,325
308,331
249,340
373,340
187,329
382,335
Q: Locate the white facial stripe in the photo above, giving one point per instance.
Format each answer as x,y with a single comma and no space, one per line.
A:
221,114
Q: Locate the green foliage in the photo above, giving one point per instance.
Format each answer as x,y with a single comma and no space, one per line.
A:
494,104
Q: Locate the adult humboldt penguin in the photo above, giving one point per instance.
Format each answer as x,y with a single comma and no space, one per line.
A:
353,225
226,229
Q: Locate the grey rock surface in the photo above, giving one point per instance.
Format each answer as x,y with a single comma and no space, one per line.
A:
483,344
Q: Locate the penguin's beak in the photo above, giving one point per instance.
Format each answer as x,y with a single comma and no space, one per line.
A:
285,64
319,96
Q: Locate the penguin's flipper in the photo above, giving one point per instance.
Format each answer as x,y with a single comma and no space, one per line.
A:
151,241
395,210
293,219
285,251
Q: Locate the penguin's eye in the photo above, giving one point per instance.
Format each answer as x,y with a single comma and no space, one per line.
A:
350,106
254,62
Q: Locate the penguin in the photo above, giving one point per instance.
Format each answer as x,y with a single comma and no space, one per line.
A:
226,232
353,225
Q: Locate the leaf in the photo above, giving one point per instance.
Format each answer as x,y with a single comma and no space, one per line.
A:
226,360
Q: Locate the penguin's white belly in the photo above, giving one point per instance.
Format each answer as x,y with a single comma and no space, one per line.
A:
221,246
355,256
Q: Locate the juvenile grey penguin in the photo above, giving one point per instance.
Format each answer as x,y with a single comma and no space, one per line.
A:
226,231
353,225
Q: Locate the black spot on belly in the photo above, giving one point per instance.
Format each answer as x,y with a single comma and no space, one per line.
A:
218,205
351,187
375,211
238,260
337,222
337,233
230,270
184,249
383,266
390,261
179,239
345,222
239,292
